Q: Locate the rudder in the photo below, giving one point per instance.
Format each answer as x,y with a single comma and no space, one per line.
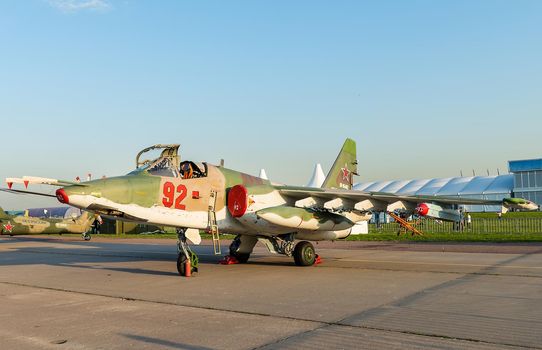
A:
345,167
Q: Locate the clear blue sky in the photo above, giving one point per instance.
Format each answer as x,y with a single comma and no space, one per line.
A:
426,87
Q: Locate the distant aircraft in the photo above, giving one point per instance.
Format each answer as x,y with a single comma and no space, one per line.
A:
199,196
26,225
520,204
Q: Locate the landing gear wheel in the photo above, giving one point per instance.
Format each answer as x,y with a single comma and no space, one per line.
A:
304,254
241,247
181,264
86,236
242,258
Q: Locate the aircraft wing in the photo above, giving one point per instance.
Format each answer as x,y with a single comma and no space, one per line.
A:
8,190
359,200
26,180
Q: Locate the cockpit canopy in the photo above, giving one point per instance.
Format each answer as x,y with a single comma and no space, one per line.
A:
169,164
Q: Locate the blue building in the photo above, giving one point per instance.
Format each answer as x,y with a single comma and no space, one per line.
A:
527,179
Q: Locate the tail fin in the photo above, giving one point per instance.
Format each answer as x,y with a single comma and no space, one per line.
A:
3,214
318,177
345,167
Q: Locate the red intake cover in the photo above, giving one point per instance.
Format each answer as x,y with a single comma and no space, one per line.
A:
422,209
62,196
238,201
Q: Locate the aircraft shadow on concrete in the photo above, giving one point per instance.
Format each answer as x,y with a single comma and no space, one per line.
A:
161,342
77,254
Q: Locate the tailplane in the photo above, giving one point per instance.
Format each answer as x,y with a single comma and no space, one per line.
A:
345,167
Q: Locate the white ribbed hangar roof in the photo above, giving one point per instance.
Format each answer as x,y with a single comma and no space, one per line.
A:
452,186
483,187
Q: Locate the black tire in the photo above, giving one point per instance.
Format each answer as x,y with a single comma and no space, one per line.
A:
242,257
304,254
181,264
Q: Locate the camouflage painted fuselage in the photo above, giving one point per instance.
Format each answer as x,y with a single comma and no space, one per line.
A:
174,201
26,225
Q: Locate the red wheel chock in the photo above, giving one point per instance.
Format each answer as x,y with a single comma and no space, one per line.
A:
318,260
229,260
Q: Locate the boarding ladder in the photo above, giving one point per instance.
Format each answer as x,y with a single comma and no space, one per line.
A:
404,224
213,226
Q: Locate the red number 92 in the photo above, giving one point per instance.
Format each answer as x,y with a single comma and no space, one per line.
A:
169,196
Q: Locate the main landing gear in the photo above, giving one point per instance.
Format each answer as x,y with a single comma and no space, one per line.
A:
303,252
240,249
187,260
86,236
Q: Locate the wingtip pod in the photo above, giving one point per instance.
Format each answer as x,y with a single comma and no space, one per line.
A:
13,180
35,180
27,180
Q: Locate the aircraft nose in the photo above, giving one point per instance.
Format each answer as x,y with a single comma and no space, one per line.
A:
62,196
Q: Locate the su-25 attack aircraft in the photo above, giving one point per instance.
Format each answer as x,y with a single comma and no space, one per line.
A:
26,225
200,196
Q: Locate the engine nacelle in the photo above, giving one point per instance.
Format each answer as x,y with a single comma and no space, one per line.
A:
437,212
243,203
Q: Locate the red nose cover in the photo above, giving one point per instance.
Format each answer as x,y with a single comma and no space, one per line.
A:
238,201
62,196
422,209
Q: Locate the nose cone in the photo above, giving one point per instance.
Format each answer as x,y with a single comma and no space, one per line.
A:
78,195
62,196
532,206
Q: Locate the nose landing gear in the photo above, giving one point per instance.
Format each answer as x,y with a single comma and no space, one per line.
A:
187,260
